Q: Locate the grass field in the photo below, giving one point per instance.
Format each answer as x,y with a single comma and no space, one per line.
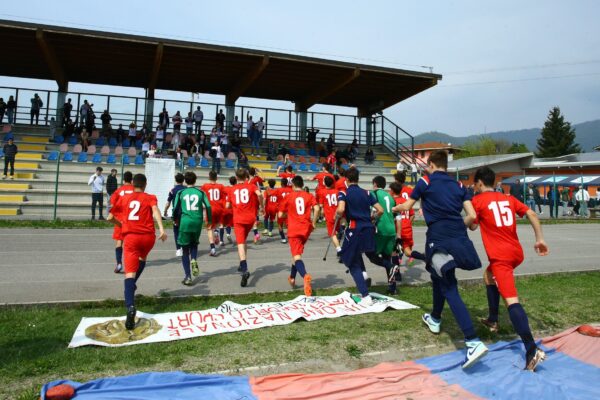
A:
34,339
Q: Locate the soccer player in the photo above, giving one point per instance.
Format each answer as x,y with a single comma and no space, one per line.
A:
356,204
178,186
270,200
228,212
288,173
188,210
283,191
496,217
246,201
400,192
216,195
136,211
319,177
298,205
126,188
447,246
330,203
256,180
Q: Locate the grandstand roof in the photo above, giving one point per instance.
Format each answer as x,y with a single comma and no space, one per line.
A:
78,55
469,163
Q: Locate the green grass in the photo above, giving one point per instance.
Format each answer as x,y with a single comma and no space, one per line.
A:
34,339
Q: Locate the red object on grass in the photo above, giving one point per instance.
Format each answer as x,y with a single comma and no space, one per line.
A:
60,392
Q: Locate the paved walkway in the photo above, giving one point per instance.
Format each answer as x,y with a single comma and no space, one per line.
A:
77,264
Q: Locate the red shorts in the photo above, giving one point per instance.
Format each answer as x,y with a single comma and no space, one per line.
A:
117,233
217,218
319,196
136,247
503,272
228,217
271,214
330,223
282,221
297,245
406,234
242,231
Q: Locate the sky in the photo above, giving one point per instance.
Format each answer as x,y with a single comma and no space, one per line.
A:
504,64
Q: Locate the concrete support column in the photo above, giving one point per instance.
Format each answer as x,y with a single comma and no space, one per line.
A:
302,125
61,99
229,113
149,110
369,131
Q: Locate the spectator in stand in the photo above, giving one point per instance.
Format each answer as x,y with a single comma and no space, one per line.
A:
332,161
152,151
354,147
216,154
198,117
11,109
224,140
96,181
144,133
281,149
69,130
91,118
214,136
516,190
83,112
10,152
202,141
163,119
145,147
499,188
52,126
243,160
236,125
177,123
2,109
197,152
160,138
413,172
400,167
581,197
322,148
106,128
189,124
111,187
330,143
120,134
311,138
236,144
36,105
220,119
369,155
67,109
271,151
84,140
249,126
258,134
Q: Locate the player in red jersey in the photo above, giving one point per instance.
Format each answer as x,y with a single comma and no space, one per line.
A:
496,217
329,195
298,205
246,201
288,174
319,177
126,188
216,196
135,211
228,212
271,199
400,192
259,182
283,191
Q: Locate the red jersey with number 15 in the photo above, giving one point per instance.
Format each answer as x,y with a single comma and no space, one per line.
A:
216,195
496,218
134,211
244,202
297,205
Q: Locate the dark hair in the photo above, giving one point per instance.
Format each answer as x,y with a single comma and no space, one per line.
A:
190,178
139,181
326,167
379,181
212,175
352,175
439,158
485,175
328,181
271,183
232,180
97,168
297,181
395,187
252,171
341,172
179,178
400,177
284,182
127,176
241,174
289,168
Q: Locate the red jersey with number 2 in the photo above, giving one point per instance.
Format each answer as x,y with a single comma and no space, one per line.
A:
297,205
497,221
135,211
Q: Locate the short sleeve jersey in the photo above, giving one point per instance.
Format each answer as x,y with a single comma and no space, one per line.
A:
405,194
284,191
216,195
496,219
330,203
288,175
340,184
271,199
244,202
189,205
297,205
385,224
173,192
320,177
257,181
120,192
358,206
441,199
135,210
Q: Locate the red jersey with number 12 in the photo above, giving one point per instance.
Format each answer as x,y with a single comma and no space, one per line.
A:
244,202
496,219
135,211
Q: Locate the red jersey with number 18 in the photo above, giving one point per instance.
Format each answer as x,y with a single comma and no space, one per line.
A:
135,212
496,219
244,202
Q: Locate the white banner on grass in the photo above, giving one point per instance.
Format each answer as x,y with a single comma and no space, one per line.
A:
160,173
228,317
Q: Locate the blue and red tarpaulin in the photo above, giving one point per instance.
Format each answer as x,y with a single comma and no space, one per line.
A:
571,371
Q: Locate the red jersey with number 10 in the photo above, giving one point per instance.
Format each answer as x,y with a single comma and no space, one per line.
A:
216,195
244,202
135,212
496,219
297,205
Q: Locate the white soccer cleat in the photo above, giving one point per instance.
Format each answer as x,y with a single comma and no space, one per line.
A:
475,351
433,326
366,301
179,253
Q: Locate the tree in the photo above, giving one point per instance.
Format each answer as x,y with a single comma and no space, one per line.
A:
483,145
516,148
557,137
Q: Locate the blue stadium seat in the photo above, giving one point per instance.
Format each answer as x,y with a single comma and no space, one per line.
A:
73,140
204,163
126,143
53,156
59,139
312,153
68,156
138,144
111,159
279,164
125,159
191,162
303,167
82,157
314,167
1,152
345,166
301,152
292,152
112,142
100,142
229,164
97,158
139,160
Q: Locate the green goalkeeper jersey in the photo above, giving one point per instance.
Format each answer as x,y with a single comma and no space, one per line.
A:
188,207
385,225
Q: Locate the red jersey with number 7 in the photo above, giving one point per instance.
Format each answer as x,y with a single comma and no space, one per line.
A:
244,203
496,218
135,212
298,205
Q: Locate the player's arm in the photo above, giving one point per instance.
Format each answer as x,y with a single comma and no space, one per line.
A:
316,214
156,214
378,210
111,218
261,201
407,205
470,216
540,245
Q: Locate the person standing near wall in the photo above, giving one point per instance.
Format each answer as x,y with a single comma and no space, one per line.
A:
96,181
10,152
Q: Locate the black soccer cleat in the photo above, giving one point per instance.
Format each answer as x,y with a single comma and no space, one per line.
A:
245,277
130,321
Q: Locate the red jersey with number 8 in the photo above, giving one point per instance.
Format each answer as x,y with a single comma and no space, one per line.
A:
135,212
297,205
244,202
496,219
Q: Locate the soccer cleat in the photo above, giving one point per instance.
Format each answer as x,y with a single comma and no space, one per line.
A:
492,326
270,234
213,252
366,301
368,281
179,253
434,326
265,231
13,177
284,241
245,277
130,320
4,176
535,359
392,290
392,274
410,261
195,270
292,282
307,285
256,238
119,269
187,281
475,351
222,244
229,239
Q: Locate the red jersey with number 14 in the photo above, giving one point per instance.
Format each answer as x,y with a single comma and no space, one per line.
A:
330,203
244,202
496,218
135,212
297,205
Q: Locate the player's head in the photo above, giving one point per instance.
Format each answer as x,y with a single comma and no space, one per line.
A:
341,172
212,175
326,167
127,177
298,182
484,178
190,178
379,182
252,171
352,175
328,181
241,174
140,181
271,183
438,160
396,188
289,168
232,180
179,178
400,177
283,182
